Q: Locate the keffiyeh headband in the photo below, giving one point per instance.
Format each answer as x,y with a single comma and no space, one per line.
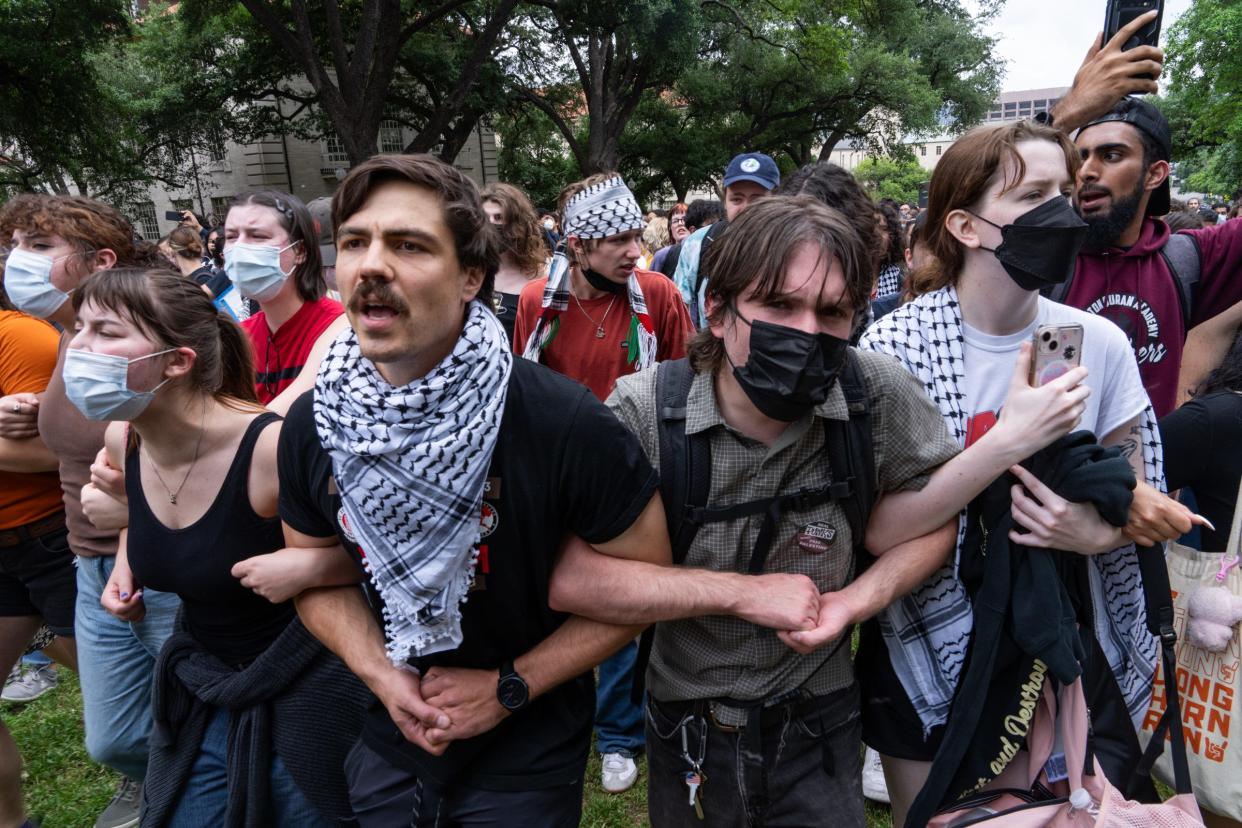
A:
597,212
602,210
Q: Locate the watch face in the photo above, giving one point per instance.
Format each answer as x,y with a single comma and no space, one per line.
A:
512,692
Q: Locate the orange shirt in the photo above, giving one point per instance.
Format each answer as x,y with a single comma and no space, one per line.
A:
27,358
597,362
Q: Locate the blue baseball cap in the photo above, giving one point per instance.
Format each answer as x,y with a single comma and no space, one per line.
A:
753,166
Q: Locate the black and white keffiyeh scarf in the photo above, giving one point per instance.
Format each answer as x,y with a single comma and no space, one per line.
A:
410,464
928,631
597,212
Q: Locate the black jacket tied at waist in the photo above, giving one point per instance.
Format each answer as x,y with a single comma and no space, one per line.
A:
296,698
1032,616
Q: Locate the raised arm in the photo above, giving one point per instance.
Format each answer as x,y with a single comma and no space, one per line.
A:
1109,74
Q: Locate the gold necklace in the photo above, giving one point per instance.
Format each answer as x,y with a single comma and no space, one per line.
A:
599,327
172,496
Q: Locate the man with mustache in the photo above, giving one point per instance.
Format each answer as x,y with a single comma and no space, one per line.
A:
447,468
1132,270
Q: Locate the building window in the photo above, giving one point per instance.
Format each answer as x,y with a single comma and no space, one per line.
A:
143,217
334,150
939,149
215,146
219,208
923,150
182,204
390,137
1041,104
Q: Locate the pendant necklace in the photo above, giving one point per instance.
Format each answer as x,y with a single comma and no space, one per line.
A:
172,496
599,327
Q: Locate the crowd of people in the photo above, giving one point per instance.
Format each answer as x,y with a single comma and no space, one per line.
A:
383,510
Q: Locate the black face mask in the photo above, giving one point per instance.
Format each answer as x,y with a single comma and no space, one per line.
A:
599,281
789,371
1041,246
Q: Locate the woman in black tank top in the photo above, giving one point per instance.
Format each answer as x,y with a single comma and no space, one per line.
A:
232,740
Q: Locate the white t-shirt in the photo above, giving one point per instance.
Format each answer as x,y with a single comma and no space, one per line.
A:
1117,394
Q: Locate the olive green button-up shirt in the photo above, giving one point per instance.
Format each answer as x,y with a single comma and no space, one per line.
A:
724,657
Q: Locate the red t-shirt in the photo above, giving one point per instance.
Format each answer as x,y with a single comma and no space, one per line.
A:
597,362
279,357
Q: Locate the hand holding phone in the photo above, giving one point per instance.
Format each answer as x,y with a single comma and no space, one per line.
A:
174,215
1121,13
1056,350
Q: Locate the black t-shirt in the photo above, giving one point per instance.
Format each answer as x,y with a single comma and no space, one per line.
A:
506,312
563,464
1203,450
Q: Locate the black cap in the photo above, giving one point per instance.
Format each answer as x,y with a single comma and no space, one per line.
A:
1141,115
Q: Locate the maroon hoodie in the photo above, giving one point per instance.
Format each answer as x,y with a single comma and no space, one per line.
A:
1134,289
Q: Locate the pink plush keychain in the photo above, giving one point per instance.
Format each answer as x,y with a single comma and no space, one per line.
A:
1212,611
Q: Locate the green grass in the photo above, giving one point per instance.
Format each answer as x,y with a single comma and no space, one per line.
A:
65,789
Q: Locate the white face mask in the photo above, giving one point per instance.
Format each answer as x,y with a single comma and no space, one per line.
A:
98,384
28,282
255,270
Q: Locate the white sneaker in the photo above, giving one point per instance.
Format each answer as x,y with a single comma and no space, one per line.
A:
30,683
620,772
873,784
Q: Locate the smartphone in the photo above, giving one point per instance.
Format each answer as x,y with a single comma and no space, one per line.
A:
1120,13
1057,349
173,215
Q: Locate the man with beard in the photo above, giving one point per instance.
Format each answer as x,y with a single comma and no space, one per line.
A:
1132,270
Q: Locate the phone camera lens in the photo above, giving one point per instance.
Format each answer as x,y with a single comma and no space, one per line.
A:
1052,346
1047,335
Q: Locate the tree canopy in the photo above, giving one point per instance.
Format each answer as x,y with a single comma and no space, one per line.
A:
1204,98
666,91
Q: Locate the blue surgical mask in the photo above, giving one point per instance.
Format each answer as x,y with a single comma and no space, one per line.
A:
28,282
255,270
98,384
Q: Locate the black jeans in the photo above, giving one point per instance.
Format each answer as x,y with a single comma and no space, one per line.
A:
802,771
385,796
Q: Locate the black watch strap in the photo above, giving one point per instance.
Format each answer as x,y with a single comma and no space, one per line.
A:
511,689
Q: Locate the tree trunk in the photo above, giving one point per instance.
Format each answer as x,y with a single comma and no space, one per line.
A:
830,143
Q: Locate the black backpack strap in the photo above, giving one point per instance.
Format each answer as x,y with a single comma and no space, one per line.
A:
685,459
851,455
685,479
1159,598
1181,254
